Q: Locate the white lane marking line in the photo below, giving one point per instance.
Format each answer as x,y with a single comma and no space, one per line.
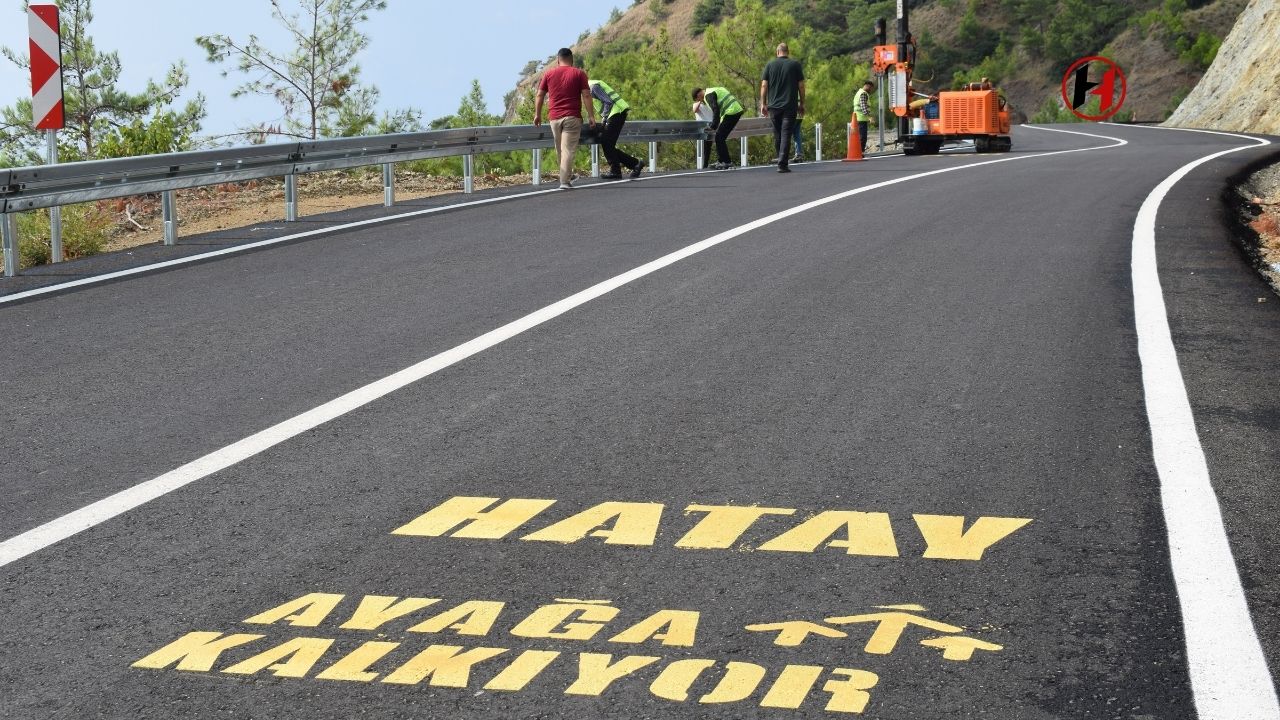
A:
176,262
48,289
98,512
295,236
1182,129
1229,675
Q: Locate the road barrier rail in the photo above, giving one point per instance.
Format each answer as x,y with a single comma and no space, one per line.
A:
32,188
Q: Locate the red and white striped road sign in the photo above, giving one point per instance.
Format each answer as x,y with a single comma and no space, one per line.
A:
46,67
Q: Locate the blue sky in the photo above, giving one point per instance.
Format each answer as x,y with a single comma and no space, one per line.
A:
422,53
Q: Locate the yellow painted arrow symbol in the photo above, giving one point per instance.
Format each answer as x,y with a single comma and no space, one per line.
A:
959,647
890,628
791,634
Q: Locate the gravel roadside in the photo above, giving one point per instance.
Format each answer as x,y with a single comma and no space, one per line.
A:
1261,202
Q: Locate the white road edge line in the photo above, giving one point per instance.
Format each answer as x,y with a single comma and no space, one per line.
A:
1229,674
59,529
177,262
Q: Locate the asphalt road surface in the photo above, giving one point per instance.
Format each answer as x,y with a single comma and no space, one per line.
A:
911,438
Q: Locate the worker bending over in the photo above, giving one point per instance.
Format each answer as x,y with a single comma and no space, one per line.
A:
726,111
610,106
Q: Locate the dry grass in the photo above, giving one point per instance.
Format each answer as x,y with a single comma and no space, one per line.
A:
640,20
234,205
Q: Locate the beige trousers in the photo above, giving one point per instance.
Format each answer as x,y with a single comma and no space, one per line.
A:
566,131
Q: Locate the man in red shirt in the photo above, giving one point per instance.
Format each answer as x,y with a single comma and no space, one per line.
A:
567,86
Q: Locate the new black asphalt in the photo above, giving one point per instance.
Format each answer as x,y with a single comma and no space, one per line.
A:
960,344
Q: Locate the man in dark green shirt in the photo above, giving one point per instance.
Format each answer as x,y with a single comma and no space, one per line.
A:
782,98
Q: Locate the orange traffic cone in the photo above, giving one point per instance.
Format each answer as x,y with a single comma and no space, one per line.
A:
855,141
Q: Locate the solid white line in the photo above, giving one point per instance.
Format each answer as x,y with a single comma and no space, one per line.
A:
177,262
251,246
1229,674
14,297
64,527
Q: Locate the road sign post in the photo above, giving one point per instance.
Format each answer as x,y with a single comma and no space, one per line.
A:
55,213
880,105
46,97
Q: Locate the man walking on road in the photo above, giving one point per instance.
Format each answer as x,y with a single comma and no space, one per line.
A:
862,110
781,99
569,91
726,111
612,110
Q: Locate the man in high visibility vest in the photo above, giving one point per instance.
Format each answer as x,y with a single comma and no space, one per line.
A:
862,110
610,106
726,111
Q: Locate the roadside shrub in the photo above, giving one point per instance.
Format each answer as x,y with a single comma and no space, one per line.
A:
1200,53
705,14
85,231
1175,101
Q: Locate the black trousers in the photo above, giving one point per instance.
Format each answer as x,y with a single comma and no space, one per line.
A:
609,144
783,120
727,124
862,133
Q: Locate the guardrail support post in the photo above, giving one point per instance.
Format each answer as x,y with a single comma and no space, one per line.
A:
595,161
701,149
290,198
848,136
468,174
537,166
653,157
9,241
388,184
168,212
817,142
742,151
55,234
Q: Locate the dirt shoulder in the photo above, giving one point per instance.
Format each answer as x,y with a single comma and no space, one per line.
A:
220,207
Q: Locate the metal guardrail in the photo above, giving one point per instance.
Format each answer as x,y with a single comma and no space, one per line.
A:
32,188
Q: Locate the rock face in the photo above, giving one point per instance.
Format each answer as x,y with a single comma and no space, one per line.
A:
1241,90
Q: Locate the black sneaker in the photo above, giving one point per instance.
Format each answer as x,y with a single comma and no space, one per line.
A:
783,168
635,171
611,176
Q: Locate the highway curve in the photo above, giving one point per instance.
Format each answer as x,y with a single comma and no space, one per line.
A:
911,438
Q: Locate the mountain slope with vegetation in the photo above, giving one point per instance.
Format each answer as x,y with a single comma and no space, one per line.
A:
1241,91
656,47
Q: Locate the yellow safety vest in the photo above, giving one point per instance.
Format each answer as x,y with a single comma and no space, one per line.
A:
619,105
729,104
857,103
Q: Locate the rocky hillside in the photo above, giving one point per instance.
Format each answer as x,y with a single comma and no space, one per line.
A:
1164,46
1241,91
